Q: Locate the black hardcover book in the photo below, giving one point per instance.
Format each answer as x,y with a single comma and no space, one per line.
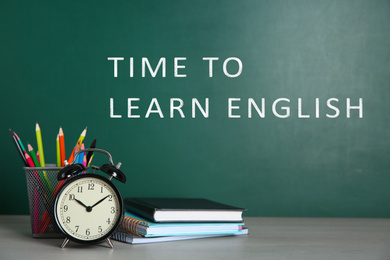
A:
183,210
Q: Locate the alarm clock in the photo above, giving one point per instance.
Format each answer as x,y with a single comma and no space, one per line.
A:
88,207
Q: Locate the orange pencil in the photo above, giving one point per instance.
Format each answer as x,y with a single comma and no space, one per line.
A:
62,146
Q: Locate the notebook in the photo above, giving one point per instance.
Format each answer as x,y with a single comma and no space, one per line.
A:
146,228
130,238
183,210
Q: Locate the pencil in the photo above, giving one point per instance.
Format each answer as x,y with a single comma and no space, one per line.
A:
62,146
36,195
42,156
82,136
44,178
40,145
80,157
38,157
20,142
46,217
93,145
58,152
90,160
35,162
76,149
79,141
85,159
29,160
33,155
15,141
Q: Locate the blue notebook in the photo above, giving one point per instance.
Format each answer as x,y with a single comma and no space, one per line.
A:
133,239
145,228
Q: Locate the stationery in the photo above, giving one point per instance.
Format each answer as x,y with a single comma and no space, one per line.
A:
130,238
90,153
20,142
20,151
62,146
58,152
40,145
44,192
33,155
80,157
79,141
146,228
183,210
29,160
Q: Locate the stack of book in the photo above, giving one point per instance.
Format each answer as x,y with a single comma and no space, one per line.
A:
149,220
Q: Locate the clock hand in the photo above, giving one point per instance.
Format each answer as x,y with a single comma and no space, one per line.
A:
100,201
79,202
88,208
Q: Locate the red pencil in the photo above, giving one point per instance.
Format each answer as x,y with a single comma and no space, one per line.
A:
62,146
29,160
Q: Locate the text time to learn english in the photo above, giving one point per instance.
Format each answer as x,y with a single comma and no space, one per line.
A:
280,108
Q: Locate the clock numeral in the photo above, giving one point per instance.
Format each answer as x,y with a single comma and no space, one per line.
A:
68,219
110,198
66,208
91,186
87,232
101,189
71,196
112,210
108,221
80,189
77,228
100,230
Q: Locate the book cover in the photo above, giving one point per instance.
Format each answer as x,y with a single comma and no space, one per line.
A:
183,210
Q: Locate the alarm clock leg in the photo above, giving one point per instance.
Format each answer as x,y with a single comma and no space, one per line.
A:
66,240
109,243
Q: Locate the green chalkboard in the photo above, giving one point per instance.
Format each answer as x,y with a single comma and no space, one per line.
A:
280,107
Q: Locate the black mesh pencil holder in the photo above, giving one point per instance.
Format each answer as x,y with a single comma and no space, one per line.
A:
42,186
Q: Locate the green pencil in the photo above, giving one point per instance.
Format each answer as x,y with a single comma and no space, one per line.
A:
33,155
41,155
40,145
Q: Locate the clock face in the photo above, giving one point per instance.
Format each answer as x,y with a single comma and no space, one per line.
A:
88,208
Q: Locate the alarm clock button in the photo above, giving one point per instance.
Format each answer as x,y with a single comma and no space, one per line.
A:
114,172
70,171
